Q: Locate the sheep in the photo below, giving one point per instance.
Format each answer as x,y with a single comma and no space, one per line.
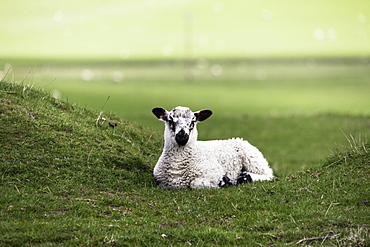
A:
187,162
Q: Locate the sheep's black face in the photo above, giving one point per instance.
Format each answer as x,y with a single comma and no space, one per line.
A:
181,122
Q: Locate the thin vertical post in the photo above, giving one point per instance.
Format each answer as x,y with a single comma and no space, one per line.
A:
188,47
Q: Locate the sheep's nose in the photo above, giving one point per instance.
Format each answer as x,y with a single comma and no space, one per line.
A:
182,138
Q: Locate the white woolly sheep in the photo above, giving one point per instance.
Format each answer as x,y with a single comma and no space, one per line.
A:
186,162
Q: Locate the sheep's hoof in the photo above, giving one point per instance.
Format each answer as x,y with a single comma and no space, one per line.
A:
244,177
225,182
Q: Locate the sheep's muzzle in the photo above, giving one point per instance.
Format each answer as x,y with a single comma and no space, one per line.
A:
182,138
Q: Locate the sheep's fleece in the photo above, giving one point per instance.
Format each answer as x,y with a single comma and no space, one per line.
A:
187,162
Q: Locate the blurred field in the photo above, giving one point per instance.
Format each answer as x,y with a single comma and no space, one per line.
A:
167,29
240,87
295,111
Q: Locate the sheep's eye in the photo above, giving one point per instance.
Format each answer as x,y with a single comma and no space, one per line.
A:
171,123
191,125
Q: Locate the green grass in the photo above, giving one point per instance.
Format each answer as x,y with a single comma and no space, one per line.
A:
69,180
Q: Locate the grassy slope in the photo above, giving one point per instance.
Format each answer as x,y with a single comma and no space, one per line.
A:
66,180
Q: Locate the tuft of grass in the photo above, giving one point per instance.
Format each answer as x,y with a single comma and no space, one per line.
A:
68,178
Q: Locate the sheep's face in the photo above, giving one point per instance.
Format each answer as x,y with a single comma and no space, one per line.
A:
181,122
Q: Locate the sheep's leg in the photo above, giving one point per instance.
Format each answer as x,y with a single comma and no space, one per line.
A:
225,182
259,177
202,182
215,181
244,177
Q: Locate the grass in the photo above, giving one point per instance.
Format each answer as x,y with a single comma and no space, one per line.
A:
67,178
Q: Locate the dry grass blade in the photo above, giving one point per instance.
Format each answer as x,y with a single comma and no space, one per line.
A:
313,239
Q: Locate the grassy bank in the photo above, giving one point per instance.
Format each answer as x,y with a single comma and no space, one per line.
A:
68,178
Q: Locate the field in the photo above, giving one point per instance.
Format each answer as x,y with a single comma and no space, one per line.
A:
245,87
296,112
292,78
68,179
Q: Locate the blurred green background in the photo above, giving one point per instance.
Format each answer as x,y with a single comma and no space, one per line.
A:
168,29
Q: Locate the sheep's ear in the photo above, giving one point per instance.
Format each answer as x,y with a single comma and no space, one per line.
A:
202,115
160,113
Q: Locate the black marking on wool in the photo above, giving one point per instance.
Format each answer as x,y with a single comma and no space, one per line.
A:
225,182
244,177
181,113
172,124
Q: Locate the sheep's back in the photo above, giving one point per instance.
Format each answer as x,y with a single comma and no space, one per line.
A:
235,155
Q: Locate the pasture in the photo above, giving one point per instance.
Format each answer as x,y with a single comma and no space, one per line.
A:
296,111
68,179
292,78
